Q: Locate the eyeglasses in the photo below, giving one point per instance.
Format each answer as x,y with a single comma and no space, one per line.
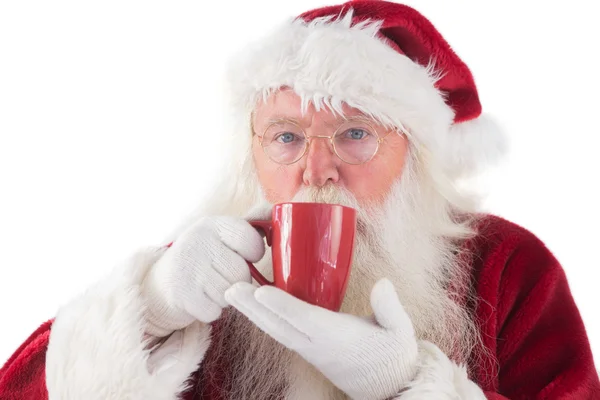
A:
354,142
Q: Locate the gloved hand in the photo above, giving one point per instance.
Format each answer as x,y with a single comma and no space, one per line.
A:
366,358
189,281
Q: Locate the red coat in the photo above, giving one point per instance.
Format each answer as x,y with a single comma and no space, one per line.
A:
529,323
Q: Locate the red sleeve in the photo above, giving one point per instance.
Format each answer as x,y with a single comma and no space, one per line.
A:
531,323
23,376
494,396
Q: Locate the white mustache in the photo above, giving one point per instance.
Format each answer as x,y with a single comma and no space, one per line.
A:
330,194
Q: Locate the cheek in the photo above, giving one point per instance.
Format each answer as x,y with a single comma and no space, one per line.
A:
372,181
279,182
368,183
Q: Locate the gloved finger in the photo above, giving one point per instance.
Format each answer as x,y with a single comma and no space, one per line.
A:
388,310
306,318
242,297
229,264
202,308
261,211
241,237
215,286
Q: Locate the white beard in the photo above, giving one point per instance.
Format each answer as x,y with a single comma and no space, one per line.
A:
412,239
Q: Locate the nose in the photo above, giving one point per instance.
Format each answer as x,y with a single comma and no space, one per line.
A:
321,163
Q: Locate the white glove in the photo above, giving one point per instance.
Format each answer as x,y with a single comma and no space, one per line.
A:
366,358
189,281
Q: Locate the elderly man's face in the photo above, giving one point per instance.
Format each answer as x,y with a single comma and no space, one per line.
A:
369,182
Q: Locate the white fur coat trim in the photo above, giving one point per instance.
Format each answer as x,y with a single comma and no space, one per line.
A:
440,378
97,349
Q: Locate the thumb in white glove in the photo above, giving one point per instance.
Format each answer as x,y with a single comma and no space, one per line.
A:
189,281
261,211
366,358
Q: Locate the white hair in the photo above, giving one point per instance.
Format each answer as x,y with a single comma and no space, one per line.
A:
414,238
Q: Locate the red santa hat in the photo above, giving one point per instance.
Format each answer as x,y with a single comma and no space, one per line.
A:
385,59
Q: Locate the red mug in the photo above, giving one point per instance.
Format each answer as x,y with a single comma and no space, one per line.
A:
312,246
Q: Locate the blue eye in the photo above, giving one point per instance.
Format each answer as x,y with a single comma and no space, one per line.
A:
356,134
286,137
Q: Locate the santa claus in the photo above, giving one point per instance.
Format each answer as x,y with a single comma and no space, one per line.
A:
362,104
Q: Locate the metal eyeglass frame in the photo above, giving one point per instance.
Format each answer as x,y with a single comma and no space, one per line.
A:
331,141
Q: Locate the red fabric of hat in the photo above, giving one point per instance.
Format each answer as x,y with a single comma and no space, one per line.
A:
413,35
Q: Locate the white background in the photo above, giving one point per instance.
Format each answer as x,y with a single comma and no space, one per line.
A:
109,128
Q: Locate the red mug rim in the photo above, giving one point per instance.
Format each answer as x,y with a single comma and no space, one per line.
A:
296,203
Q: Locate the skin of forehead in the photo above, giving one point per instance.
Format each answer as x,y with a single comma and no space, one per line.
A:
293,113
